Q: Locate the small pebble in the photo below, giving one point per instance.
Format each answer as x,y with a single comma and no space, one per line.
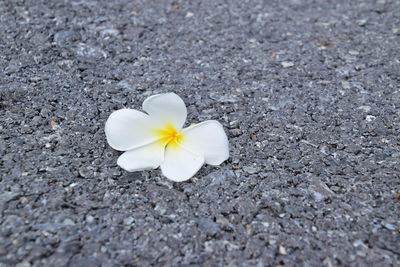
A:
251,169
128,220
68,221
389,226
282,250
365,108
370,118
361,22
346,85
287,64
89,219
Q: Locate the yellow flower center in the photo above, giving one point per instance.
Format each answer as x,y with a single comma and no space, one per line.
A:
169,136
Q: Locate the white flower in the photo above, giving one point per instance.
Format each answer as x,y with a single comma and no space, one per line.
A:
157,138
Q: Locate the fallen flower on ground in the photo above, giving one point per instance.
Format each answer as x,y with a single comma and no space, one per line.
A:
156,138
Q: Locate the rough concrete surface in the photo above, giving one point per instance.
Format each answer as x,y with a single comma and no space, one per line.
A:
307,91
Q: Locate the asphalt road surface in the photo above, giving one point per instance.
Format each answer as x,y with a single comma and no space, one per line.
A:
308,93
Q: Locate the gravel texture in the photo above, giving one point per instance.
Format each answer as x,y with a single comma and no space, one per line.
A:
307,91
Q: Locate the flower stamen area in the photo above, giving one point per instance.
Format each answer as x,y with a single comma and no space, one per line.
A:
169,136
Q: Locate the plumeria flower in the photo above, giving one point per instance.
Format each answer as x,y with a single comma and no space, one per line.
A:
156,138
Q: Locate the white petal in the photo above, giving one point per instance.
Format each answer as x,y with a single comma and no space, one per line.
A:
180,164
142,158
208,139
167,109
127,129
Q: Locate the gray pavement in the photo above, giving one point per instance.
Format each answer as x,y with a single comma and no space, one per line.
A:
308,93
